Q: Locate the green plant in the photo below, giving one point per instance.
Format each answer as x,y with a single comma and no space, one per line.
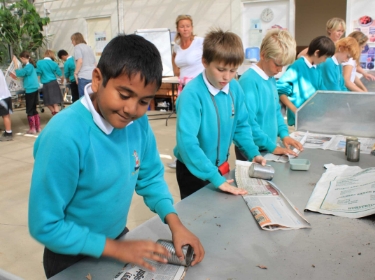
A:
21,26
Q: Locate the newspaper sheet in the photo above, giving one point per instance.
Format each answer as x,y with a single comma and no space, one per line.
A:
346,191
14,84
269,206
332,142
285,158
163,272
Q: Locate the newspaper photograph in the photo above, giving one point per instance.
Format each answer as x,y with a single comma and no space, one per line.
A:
163,272
269,206
332,142
345,191
13,83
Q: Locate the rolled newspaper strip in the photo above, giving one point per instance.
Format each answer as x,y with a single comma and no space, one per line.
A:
187,250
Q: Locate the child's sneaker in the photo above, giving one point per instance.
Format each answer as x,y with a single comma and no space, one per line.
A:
6,136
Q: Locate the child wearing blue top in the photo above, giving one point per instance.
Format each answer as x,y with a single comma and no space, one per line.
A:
106,154
278,48
211,114
331,69
69,68
302,79
31,85
48,69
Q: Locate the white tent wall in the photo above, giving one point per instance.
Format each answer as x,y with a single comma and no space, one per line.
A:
127,16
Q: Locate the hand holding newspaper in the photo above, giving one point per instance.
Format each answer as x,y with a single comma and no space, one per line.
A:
269,206
286,158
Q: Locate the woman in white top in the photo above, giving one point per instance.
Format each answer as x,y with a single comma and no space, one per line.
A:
350,68
187,55
187,51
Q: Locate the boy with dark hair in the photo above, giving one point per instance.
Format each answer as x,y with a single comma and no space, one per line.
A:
211,114
106,153
302,79
5,109
278,48
69,68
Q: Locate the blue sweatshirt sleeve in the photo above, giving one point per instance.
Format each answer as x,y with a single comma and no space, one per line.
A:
151,184
243,137
50,193
329,73
26,71
251,92
286,82
57,70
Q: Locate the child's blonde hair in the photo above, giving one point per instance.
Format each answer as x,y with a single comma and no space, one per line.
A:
279,45
359,36
334,24
350,45
223,47
78,38
178,19
50,54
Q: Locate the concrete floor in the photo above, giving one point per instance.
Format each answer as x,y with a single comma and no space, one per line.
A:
20,254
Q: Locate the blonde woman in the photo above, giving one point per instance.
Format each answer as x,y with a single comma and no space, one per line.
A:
335,28
85,62
187,55
350,68
48,69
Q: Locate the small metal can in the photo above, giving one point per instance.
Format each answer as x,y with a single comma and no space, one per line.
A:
349,138
353,150
187,250
257,170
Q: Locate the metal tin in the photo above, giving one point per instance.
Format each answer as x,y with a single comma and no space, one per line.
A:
257,170
349,138
354,148
187,250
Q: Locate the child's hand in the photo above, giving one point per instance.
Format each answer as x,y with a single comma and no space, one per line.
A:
135,251
226,187
369,77
182,236
283,151
289,141
260,159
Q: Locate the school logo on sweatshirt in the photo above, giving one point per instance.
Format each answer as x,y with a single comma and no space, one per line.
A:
137,161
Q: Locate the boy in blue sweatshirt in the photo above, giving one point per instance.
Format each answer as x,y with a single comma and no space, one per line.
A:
69,68
211,114
278,48
105,154
331,69
302,79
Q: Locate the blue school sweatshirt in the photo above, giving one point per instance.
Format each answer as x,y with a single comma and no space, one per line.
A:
69,67
262,103
84,179
332,76
30,79
197,128
47,70
299,82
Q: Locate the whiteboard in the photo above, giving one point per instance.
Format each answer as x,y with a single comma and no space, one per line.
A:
161,38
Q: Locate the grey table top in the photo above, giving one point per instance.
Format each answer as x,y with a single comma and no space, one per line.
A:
334,248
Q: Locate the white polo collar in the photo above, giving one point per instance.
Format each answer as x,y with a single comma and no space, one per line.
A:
260,72
335,60
308,63
48,58
98,119
211,88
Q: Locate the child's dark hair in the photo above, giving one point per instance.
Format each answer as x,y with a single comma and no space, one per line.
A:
323,44
62,53
130,55
26,54
223,47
